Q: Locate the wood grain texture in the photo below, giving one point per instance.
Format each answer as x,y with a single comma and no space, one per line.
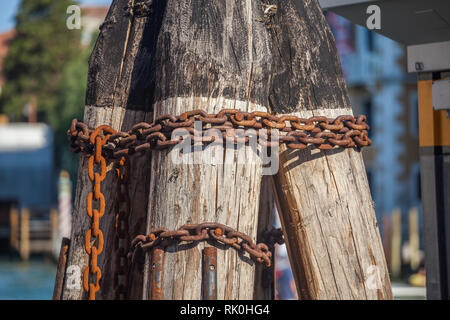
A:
136,66
194,54
327,212
323,196
306,72
227,193
110,70
209,55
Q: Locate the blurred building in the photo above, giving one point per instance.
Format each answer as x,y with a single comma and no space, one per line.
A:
26,165
27,177
91,18
375,71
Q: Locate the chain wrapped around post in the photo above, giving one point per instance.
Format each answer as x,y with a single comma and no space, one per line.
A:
235,126
98,139
121,238
162,237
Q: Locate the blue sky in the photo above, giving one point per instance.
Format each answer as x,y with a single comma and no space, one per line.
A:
8,10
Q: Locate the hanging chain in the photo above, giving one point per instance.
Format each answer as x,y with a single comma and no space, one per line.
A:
235,126
121,238
104,143
95,214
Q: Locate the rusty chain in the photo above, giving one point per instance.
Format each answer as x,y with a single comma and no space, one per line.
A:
104,143
98,139
162,237
121,237
297,133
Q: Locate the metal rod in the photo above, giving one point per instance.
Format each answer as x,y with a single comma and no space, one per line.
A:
209,279
157,273
61,271
269,275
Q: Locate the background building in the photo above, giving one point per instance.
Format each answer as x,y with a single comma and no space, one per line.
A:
91,18
375,71
28,168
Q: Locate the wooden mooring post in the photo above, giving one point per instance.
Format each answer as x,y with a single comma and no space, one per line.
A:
174,56
24,245
323,197
14,228
396,253
29,235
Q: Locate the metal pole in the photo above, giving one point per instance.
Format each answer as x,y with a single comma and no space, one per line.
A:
157,273
209,279
434,141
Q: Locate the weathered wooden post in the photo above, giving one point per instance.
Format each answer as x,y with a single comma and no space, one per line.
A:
14,228
323,196
209,56
158,57
24,247
140,69
396,254
112,98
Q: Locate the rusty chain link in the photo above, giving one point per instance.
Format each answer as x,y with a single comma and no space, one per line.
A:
297,133
98,139
121,238
104,143
220,233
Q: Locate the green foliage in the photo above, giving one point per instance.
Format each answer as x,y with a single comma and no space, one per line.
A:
47,62
38,55
70,101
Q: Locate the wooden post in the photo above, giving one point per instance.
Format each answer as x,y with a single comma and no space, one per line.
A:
396,253
61,270
14,228
220,59
180,56
323,196
414,239
114,97
24,234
